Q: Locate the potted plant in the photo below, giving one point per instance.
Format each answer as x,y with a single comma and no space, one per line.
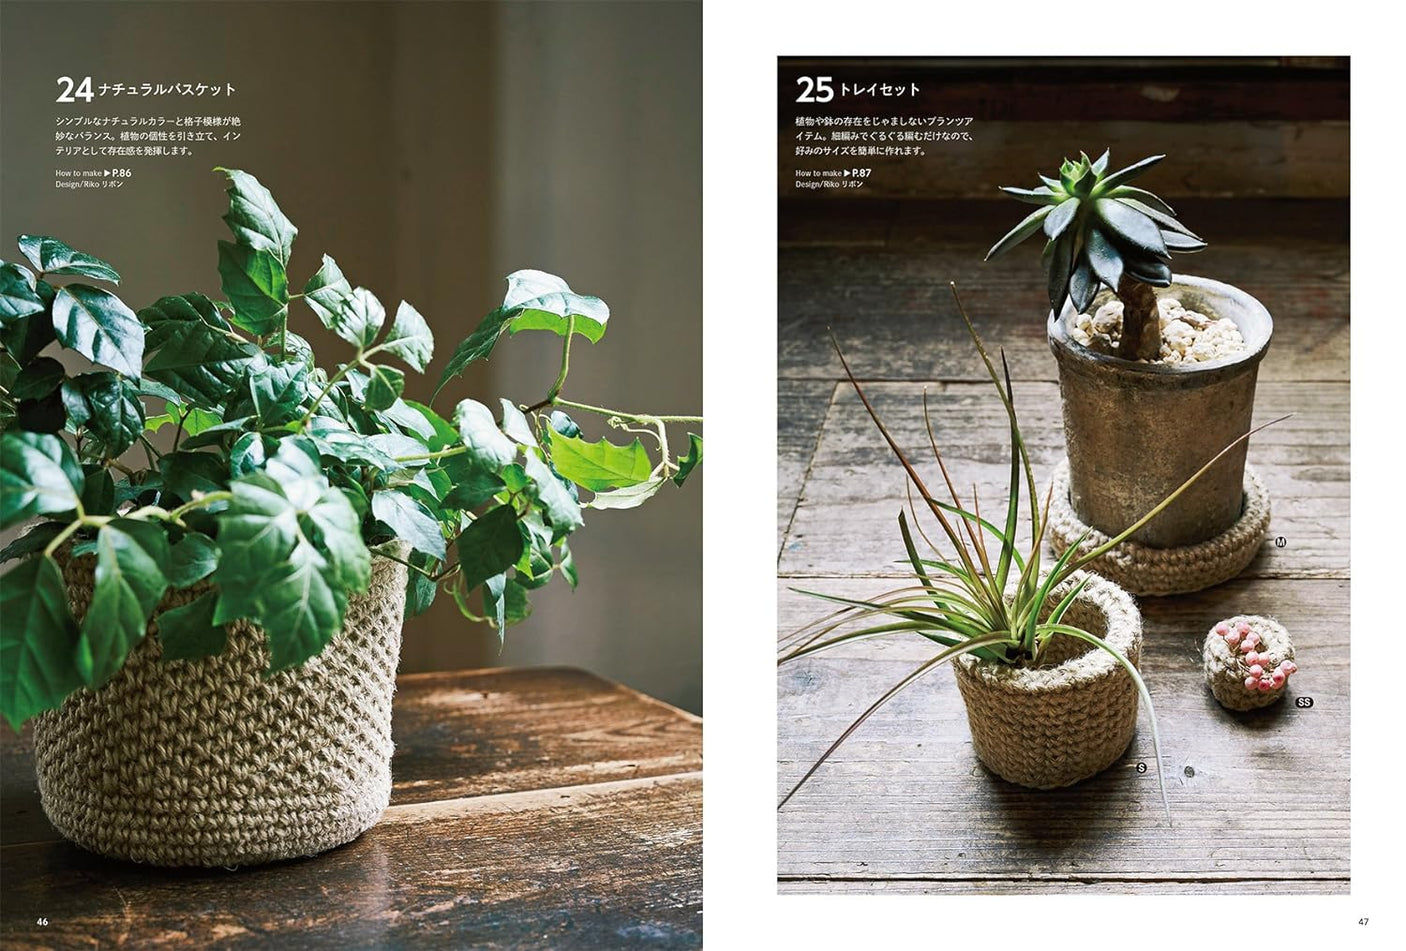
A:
1046,659
1143,409
207,637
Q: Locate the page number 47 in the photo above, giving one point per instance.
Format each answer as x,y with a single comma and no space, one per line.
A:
1361,921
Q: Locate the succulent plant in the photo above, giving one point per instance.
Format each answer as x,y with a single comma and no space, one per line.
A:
1101,231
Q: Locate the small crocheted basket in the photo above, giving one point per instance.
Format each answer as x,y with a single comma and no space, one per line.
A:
1072,717
212,763
1230,663
1162,571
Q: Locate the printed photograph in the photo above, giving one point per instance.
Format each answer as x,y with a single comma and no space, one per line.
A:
1063,483
351,443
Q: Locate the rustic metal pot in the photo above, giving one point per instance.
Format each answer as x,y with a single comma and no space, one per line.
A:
1136,431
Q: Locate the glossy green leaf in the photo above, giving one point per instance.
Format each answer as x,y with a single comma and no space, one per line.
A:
277,392
489,546
691,460
290,554
24,337
133,562
1103,258
192,558
420,591
1060,266
477,346
360,318
1180,242
535,300
563,512
627,498
102,328
37,380
190,349
256,285
566,564
1127,174
326,292
1083,284
562,423
43,415
541,301
477,488
1028,226
255,218
34,540
1142,197
187,474
39,474
17,295
600,465
189,632
486,443
111,412
37,641
410,338
52,256
515,425
384,388
1043,195
1060,217
410,521
99,491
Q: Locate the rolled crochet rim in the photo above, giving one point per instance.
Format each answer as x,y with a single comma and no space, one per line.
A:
1142,570
1123,630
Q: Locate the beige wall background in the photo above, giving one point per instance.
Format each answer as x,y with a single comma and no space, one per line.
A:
431,148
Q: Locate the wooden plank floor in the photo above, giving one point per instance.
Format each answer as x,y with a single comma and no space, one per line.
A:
531,808
1260,798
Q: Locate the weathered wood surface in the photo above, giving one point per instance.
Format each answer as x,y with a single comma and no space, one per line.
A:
845,523
532,808
905,806
878,273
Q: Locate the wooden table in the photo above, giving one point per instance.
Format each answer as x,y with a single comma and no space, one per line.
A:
1258,799
531,808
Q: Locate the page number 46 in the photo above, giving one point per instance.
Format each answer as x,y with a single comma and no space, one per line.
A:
817,89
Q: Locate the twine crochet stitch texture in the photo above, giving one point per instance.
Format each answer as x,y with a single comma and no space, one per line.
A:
1072,717
209,762
1161,571
1226,677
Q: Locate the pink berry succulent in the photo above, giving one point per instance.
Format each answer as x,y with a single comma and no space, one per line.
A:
1252,658
1279,678
1222,629
1232,638
1242,626
1256,670
1251,683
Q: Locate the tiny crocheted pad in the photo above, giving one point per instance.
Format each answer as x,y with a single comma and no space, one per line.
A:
1143,570
1222,662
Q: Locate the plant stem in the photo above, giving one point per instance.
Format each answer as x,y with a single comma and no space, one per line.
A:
1142,324
346,367
426,456
205,499
565,366
632,417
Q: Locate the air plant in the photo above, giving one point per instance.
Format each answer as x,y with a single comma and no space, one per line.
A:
1099,232
1005,612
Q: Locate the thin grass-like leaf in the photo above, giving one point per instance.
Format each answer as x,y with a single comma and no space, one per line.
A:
868,632
902,458
942,619
1142,691
997,607
946,655
1057,615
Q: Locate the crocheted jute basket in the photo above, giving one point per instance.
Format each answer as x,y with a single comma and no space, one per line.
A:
1073,716
211,762
1162,571
1226,668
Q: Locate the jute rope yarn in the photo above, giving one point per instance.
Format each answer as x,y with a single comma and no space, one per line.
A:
1161,571
1225,668
210,762
1070,718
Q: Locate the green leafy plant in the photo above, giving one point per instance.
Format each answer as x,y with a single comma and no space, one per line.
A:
268,475
1004,611
1101,231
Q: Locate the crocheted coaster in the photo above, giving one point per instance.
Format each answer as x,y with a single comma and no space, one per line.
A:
1160,571
1227,667
1073,716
